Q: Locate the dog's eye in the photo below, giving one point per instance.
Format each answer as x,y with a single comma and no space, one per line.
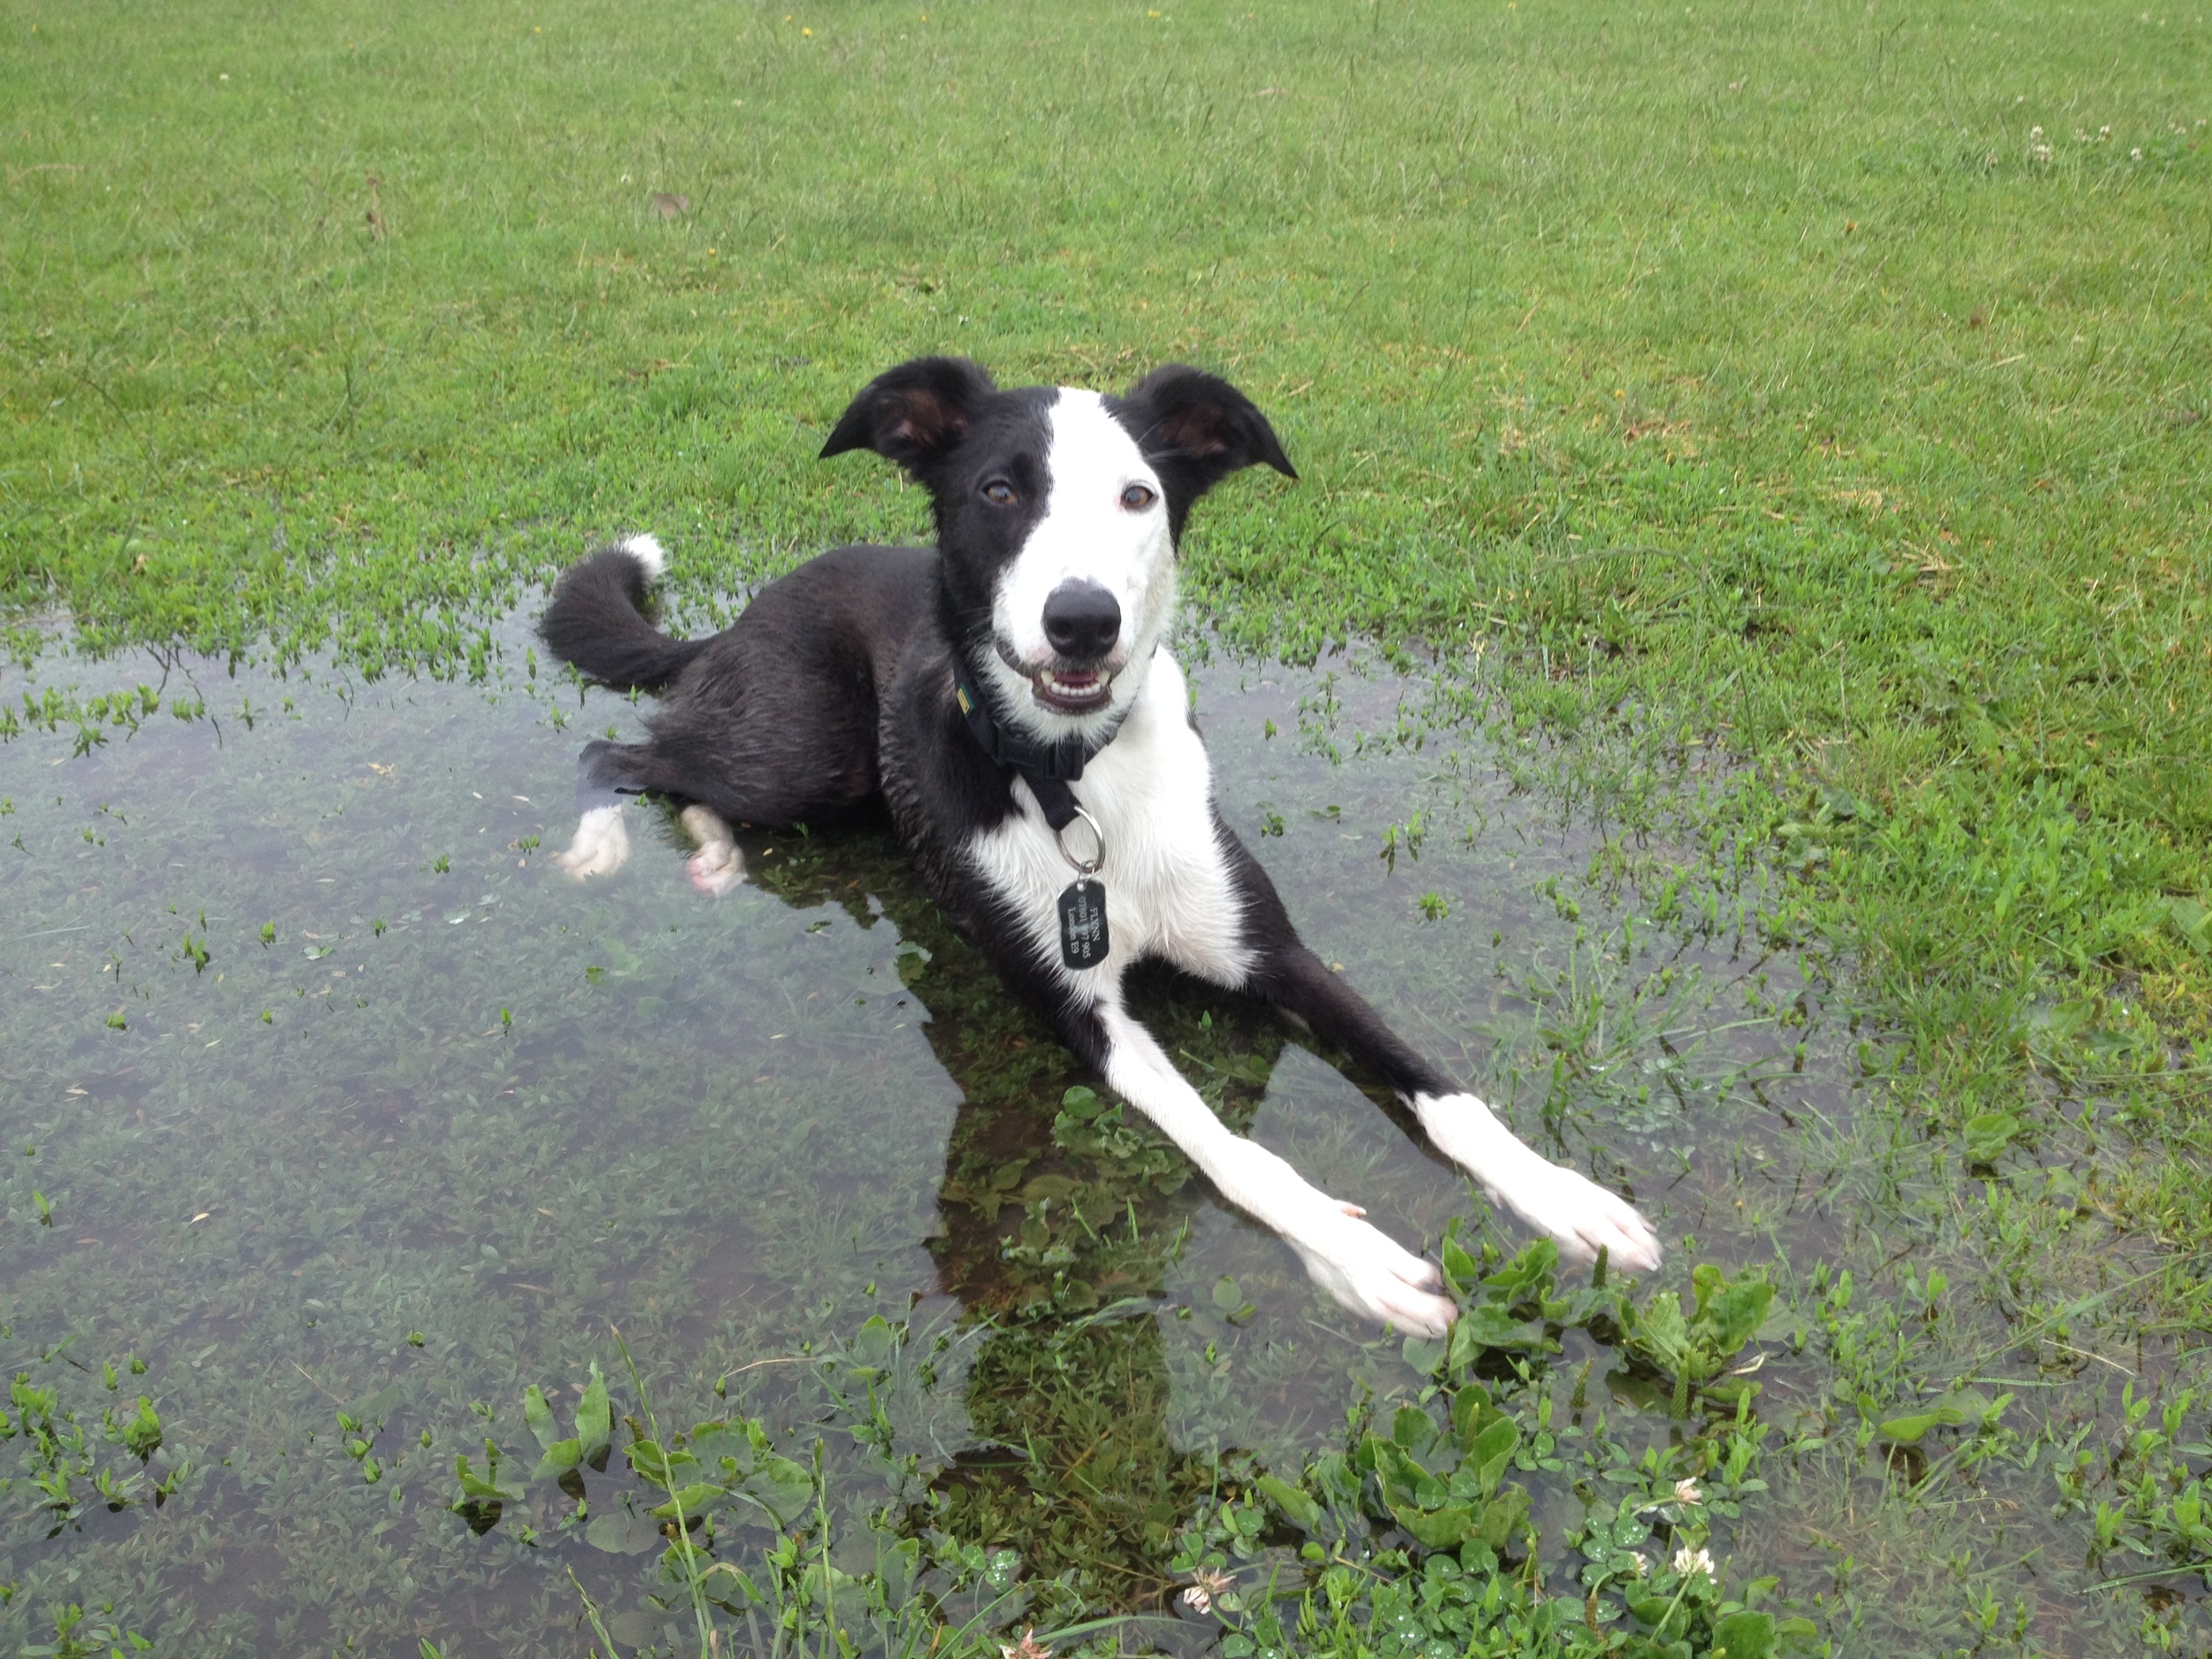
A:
999,493
1137,497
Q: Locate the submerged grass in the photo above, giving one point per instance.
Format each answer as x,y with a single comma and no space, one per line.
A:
359,1128
1784,429
1422,1530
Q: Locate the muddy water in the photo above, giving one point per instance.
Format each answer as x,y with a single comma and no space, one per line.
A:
324,1092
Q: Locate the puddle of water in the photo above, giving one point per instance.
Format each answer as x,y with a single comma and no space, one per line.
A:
332,1089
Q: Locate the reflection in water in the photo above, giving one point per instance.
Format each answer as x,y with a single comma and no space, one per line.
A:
1059,1230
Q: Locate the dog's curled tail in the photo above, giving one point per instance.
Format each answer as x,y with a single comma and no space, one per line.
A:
597,622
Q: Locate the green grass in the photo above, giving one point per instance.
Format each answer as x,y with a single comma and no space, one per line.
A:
1748,374
1813,457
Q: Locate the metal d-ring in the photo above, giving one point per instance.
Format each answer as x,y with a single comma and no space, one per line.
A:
1085,867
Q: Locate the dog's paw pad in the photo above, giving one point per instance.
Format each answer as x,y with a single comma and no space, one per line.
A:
717,867
716,871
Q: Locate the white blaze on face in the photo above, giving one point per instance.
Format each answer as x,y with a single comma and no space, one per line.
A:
1087,535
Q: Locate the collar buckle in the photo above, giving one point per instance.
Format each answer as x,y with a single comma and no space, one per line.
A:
1047,768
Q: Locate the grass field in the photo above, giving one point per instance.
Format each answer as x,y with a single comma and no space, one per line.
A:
1795,418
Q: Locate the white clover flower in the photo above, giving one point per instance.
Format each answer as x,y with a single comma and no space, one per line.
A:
2135,154
1643,1566
1027,1648
1206,1584
1687,1491
1687,1561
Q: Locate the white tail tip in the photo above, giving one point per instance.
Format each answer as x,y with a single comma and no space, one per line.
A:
646,552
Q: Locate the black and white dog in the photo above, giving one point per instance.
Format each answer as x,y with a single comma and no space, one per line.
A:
1008,696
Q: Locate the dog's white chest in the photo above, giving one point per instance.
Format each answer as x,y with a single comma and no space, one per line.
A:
1168,891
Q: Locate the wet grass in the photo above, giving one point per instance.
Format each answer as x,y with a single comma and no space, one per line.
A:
1777,435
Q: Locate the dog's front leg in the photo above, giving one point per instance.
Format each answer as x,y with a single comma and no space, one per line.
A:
1576,1212
602,843
1354,1261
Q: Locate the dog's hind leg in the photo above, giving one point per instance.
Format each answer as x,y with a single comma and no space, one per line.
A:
609,773
601,845
717,867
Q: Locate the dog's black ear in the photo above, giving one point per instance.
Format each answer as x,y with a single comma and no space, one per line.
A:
1196,429
914,414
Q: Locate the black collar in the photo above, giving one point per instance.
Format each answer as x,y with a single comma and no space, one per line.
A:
1047,768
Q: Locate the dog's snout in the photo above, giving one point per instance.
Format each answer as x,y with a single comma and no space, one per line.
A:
1082,620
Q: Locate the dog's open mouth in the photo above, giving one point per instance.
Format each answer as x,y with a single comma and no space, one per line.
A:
1071,692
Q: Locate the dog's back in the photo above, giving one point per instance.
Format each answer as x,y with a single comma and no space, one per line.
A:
776,722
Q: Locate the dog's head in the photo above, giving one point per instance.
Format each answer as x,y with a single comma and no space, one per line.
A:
1057,515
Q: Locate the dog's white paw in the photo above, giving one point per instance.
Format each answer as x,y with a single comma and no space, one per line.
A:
1366,1270
717,868
1582,1217
600,847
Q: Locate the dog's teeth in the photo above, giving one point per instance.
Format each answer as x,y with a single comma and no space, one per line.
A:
1092,685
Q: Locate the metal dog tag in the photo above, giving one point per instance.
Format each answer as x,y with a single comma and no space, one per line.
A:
1083,942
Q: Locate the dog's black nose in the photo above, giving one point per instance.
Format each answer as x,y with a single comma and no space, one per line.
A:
1082,620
